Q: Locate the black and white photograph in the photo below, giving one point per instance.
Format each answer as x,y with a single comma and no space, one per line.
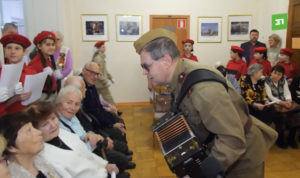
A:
209,29
128,27
239,27
94,27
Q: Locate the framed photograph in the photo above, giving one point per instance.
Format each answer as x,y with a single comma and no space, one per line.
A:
94,27
209,29
239,27
128,27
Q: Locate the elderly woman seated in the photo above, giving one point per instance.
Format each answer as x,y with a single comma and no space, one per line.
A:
253,91
63,144
24,143
278,91
68,104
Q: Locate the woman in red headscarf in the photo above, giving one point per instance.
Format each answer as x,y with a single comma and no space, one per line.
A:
188,50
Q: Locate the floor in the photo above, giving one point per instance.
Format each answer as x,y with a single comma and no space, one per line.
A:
151,164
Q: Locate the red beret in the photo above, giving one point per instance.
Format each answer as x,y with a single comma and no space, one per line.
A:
187,41
238,49
15,38
43,35
260,49
286,51
99,43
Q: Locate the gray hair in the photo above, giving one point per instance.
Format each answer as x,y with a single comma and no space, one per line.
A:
11,24
161,46
254,68
66,90
90,63
60,35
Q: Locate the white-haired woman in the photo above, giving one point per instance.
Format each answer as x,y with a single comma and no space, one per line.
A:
68,104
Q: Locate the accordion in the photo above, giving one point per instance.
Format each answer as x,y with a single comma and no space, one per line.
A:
179,145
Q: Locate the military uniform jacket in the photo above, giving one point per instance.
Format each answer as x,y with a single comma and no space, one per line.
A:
104,75
209,107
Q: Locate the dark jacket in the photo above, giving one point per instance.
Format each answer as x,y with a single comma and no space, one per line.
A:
91,104
246,47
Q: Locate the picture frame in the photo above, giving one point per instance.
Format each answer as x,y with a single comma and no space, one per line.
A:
128,27
209,29
239,27
94,27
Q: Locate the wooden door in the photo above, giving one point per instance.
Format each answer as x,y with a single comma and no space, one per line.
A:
293,30
179,24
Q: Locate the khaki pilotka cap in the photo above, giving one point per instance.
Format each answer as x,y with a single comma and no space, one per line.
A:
152,35
3,144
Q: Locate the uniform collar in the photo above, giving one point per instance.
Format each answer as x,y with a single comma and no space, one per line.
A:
176,73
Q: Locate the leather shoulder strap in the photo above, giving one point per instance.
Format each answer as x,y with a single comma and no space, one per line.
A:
194,77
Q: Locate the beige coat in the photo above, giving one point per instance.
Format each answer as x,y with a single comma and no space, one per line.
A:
104,75
211,108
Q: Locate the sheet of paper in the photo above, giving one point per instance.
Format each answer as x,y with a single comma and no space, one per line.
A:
10,76
270,103
34,83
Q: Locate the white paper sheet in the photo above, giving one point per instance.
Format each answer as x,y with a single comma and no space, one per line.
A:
10,76
34,83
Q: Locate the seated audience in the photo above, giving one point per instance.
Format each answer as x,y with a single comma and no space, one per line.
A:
253,91
4,172
188,49
87,122
68,104
290,67
274,48
44,61
64,144
278,91
236,63
15,48
260,57
23,147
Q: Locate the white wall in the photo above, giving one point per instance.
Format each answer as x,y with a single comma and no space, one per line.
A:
122,61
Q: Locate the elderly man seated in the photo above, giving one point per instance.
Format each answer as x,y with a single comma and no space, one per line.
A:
91,104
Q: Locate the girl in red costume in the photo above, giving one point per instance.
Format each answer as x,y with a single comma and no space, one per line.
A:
15,47
44,61
188,49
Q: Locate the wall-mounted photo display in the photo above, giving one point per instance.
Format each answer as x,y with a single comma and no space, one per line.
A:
239,27
209,29
128,27
94,27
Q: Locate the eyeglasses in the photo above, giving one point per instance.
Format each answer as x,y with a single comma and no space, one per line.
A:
92,72
146,66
